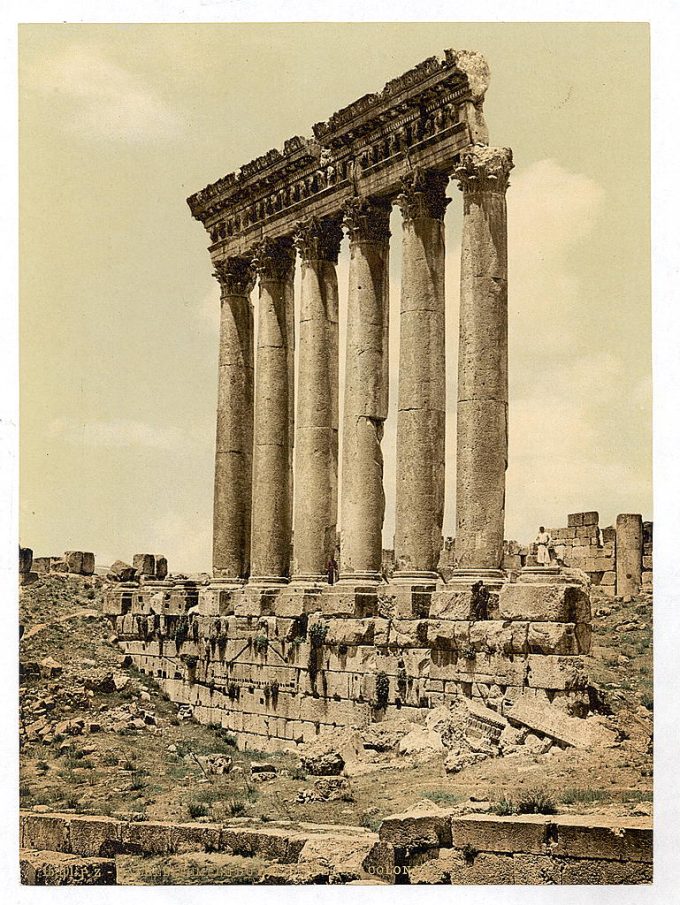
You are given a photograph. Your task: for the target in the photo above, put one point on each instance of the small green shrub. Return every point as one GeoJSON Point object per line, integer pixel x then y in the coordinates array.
{"type": "Point", "coordinates": [504, 807]}
{"type": "Point", "coordinates": [236, 807]}
{"type": "Point", "coordinates": [260, 644]}
{"type": "Point", "coordinates": [382, 690]}
{"type": "Point", "coordinates": [536, 801]}
{"type": "Point", "coordinates": [197, 809]}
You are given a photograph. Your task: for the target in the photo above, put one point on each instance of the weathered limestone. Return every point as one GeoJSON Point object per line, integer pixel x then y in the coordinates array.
{"type": "Point", "coordinates": [272, 483]}
{"type": "Point", "coordinates": [482, 441]}
{"type": "Point", "coordinates": [233, 454]}
{"type": "Point", "coordinates": [366, 390]}
{"type": "Point", "coordinates": [628, 555]}
{"type": "Point", "coordinates": [316, 439]}
{"type": "Point", "coordinates": [422, 379]}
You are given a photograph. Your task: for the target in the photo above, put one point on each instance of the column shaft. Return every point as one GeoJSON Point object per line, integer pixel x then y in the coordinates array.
{"type": "Point", "coordinates": [234, 443]}
{"type": "Point", "coordinates": [316, 443]}
{"type": "Point", "coordinates": [365, 400]}
{"type": "Point", "coordinates": [271, 523]}
{"type": "Point", "coordinates": [482, 441]}
{"type": "Point", "coordinates": [422, 379]}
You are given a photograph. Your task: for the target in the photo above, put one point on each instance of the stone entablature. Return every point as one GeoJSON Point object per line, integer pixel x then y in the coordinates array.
{"type": "Point", "coordinates": [421, 120]}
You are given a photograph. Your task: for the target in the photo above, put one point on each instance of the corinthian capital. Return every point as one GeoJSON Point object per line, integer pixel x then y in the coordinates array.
{"type": "Point", "coordinates": [235, 276]}
{"type": "Point", "coordinates": [423, 195]}
{"type": "Point", "coordinates": [483, 169]}
{"type": "Point", "coordinates": [274, 258]}
{"type": "Point", "coordinates": [318, 240]}
{"type": "Point", "coordinates": [367, 220]}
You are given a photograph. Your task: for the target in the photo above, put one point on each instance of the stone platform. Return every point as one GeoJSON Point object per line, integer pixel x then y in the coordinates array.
{"type": "Point", "coordinates": [276, 666]}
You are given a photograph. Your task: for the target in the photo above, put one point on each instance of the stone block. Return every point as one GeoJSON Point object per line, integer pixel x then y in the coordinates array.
{"type": "Point", "coordinates": [95, 836]}
{"type": "Point", "coordinates": [536, 870]}
{"type": "Point", "coordinates": [350, 631]}
{"type": "Point", "coordinates": [488, 833]}
{"type": "Point", "coordinates": [592, 871]}
{"type": "Point", "coordinates": [552, 638]}
{"type": "Point", "coordinates": [647, 562]}
{"type": "Point", "coordinates": [422, 827]}
{"type": "Point", "coordinates": [556, 672]}
{"type": "Point", "coordinates": [45, 831]}
{"type": "Point", "coordinates": [408, 633]}
{"type": "Point", "coordinates": [590, 518]}
{"type": "Point", "coordinates": [544, 602]}
{"type": "Point", "coordinates": [144, 564]}
{"type": "Point", "coordinates": [451, 605]}
{"type": "Point", "coordinates": [74, 559]}
{"type": "Point", "coordinates": [43, 564]}
{"type": "Point", "coordinates": [480, 869]}
{"type": "Point", "coordinates": [608, 578]}
{"type": "Point", "coordinates": [647, 579]}
{"type": "Point", "coordinates": [59, 566]}
{"type": "Point", "coordinates": [25, 560]}
{"type": "Point", "coordinates": [46, 868]}
{"type": "Point", "coordinates": [161, 568]}
{"type": "Point", "coordinates": [28, 578]}
{"type": "Point", "coordinates": [575, 520]}
{"type": "Point", "coordinates": [615, 839]}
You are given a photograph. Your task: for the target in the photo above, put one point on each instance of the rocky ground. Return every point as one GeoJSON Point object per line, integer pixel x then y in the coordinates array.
{"type": "Point", "coordinates": [97, 737]}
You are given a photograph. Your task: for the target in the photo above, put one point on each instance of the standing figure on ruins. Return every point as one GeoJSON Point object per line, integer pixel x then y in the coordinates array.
{"type": "Point", "coordinates": [543, 542]}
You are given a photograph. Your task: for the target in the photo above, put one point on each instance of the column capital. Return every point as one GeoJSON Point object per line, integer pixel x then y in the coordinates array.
{"type": "Point", "coordinates": [235, 276]}
{"type": "Point", "coordinates": [274, 258]}
{"type": "Point", "coordinates": [423, 195]}
{"type": "Point", "coordinates": [367, 220]}
{"type": "Point", "coordinates": [483, 169]}
{"type": "Point", "coordinates": [318, 240]}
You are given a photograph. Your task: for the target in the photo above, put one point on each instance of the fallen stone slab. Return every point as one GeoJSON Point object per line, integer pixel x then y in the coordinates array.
{"type": "Point", "coordinates": [568, 730]}
{"type": "Point", "coordinates": [46, 868]}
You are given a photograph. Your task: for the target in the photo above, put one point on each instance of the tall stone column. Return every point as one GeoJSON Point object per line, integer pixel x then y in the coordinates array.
{"type": "Point", "coordinates": [482, 442]}
{"type": "Point", "coordinates": [316, 443]}
{"type": "Point", "coordinates": [271, 524]}
{"type": "Point", "coordinates": [628, 555]}
{"type": "Point", "coordinates": [422, 379]}
{"type": "Point", "coordinates": [234, 446]}
{"type": "Point", "coordinates": [366, 390]}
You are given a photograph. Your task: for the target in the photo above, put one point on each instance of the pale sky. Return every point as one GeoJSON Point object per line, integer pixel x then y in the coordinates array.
{"type": "Point", "coordinates": [120, 313]}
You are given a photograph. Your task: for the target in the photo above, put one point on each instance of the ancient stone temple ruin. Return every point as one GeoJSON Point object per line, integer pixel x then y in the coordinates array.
{"type": "Point", "coordinates": [268, 648]}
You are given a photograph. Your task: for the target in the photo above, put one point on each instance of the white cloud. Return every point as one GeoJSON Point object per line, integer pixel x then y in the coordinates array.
{"type": "Point", "coordinates": [117, 433]}
{"type": "Point", "coordinates": [105, 100]}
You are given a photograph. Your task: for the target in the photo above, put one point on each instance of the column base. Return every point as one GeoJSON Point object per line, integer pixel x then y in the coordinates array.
{"type": "Point", "coordinates": [267, 581]}
{"type": "Point", "coordinates": [354, 578]}
{"type": "Point", "coordinates": [540, 570]}
{"type": "Point", "coordinates": [309, 580]}
{"type": "Point", "coordinates": [223, 583]}
{"type": "Point", "coordinates": [415, 577]}
{"type": "Point", "coordinates": [492, 578]}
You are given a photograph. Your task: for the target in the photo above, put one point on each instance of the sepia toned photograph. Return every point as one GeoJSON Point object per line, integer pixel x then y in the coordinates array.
{"type": "Point", "coordinates": [336, 524]}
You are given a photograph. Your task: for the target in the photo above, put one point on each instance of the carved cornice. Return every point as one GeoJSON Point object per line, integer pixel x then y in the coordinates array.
{"type": "Point", "coordinates": [483, 169]}
{"type": "Point", "coordinates": [364, 149]}
{"type": "Point", "coordinates": [235, 275]}
{"type": "Point", "coordinates": [367, 220]}
{"type": "Point", "coordinates": [273, 259]}
{"type": "Point", "coordinates": [423, 195]}
{"type": "Point", "coordinates": [318, 240]}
